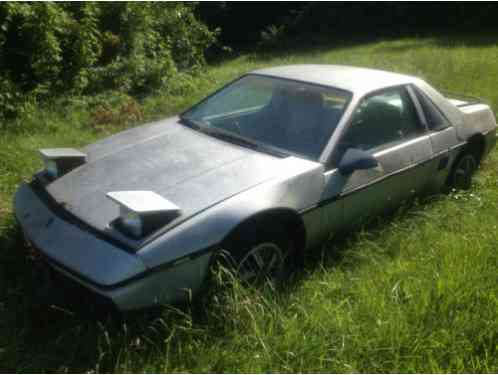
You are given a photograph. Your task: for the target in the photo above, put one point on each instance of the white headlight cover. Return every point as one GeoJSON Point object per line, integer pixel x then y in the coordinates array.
{"type": "Point", "coordinates": [142, 212]}
{"type": "Point", "coordinates": [59, 161]}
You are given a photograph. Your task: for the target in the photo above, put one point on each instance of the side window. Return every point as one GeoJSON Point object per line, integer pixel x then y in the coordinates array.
{"type": "Point", "coordinates": [435, 120]}
{"type": "Point", "coordinates": [382, 120]}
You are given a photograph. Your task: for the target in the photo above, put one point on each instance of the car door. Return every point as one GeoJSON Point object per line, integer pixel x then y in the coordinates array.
{"type": "Point", "coordinates": [386, 125]}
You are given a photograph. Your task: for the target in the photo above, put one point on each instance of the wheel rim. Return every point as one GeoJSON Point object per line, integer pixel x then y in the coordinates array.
{"type": "Point", "coordinates": [263, 262]}
{"type": "Point", "coordinates": [464, 171]}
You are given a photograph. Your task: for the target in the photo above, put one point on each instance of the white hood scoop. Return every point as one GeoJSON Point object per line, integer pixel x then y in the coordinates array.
{"type": "Point", "coordinates": [59, 161]}
{"type": "Point", "coordinates": [142, 212]}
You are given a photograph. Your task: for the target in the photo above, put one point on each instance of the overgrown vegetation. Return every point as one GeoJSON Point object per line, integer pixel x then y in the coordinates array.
{"type": "Point", "coordinates": [77, 49]}
{"type": "Point", "coordinates": [417, 293]}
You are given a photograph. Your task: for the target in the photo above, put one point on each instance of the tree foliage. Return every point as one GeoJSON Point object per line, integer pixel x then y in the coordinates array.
{"type": "Point", "coordinates": [49, 49]}
{"type": "Point", "coordinates": [247, 24]}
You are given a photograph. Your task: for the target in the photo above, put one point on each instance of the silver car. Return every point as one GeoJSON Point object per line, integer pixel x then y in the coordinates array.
{"type": "Point", "coordinates": [263, 170]}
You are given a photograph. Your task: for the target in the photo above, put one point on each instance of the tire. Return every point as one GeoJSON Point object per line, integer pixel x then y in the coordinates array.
{"type": "Point", "coordinates": [261, 255]}
{"type": "Point", "coordinates": [264, 262]}
{"type": "Point", "coordinates": [463, 170]}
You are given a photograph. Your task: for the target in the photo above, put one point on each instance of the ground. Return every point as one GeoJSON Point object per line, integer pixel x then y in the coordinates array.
{"type": "Point", "coordinates": [414, 293]}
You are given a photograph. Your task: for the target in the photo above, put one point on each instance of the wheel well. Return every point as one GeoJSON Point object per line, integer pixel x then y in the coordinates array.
{"type": "Point", "coordinates": [285, 219]}
{"type": "Point", "coordinates": [476, 144]}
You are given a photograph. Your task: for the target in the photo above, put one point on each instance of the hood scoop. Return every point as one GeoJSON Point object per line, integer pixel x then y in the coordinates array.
{"type": "Point", "coordinates": [142, 212]}
{"type": "Point", "coordinates": [59, 161]}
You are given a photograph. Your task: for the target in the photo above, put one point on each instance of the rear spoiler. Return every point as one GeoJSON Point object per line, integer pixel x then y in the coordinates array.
{"type": "Point", "coordinates": [461, 100]}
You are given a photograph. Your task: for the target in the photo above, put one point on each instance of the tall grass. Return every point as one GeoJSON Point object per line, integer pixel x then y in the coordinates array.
{"type": "Point", "coordinates": [415, 293]}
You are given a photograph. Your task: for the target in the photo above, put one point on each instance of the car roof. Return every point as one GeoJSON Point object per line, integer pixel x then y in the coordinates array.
{"type": "Point", "coordinates": [354, 79]}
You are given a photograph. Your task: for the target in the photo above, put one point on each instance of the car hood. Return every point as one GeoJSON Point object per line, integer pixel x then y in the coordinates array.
{"type": "Point", "coordinates": [193, 170]}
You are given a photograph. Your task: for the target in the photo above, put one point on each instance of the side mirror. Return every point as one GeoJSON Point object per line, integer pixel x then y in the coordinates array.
{"type": "Point", "coordinates": [355, 159]}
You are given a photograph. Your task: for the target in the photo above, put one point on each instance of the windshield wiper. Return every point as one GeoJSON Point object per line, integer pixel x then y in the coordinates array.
{"type": "Point", "coordinates": [229, 136]}
{"type": "Point", "coordinates": [242, 141]}
{"type": "Point", "coordinates": [219, 133]}
{"type": "Point", "coordinates": [232, 137]}
{"type": "Point", "coordinates": [192, 123]}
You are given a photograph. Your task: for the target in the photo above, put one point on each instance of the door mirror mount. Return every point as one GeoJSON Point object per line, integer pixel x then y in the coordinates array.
{"type": "Point", "coordinates": [355, 159]}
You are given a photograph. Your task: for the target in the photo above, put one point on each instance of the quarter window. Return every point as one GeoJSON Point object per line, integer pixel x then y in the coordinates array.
{"type": "Point", "coordinates": [381, 121]}
{"type": "Point", "coordinates": [435, 120]}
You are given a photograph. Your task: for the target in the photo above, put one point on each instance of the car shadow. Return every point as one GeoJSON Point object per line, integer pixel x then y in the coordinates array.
{"type": "Point", "coordinates": [38, 333]}
{"type": "Point", "coordinates": [54, 331]}
{"type": "Point", "coordinates": [333, 253]}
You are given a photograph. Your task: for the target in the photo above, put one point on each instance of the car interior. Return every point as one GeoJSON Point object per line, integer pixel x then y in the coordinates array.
{"type": "Point", "coordinates": [297, 119]}
{"type": "Point", "coordinates": [381, 121]}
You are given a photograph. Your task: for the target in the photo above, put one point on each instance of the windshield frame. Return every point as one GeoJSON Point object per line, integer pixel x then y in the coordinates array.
{"type": "Point", "coordinates": [265, 147]}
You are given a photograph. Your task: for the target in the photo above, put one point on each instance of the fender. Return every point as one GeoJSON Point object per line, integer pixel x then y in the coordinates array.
{"type": "Point", "coordinates": [208, 229]}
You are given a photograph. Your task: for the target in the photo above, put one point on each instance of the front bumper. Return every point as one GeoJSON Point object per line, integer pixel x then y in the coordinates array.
{"type": "Point", "coordinates": [158, 287]}
{"type": "Point", "coordinates": [100, 266]}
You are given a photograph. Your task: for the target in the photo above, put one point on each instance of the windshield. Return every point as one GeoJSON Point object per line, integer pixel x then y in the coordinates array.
{"type": "Point", "coordinates": [293, 117]}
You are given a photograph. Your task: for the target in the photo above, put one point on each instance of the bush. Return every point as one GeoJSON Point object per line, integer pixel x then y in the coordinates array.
{"type": "Point", "coordinates": [50, 49]}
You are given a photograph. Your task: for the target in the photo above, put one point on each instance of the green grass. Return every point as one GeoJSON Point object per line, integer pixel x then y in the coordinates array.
{"type": "Point", "coordinates": [417, 293]}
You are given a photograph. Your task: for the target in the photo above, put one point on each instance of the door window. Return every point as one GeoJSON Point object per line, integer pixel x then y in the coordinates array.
{"type": "Point", "coordinates": [381, 121]}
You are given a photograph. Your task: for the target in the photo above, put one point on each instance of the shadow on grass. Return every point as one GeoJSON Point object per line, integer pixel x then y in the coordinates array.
{"type": "Point", "coordinates": [36, 334]}
{"type": "Point", "coordinates": [63, 329]}
{"type": "Point", "coordinates": [335, 252]}
{"type": "Point", "coordinates": [57, 332]}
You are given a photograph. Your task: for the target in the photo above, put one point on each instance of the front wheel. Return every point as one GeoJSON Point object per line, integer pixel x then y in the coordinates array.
{"type": "Point", "coordinates": [260, 253]}
{"type": "Point", "coordinates": [264, 262]}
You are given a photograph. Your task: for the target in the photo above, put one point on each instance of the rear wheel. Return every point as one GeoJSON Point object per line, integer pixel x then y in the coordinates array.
{"type": "Point", "coordinates": [463, 171]}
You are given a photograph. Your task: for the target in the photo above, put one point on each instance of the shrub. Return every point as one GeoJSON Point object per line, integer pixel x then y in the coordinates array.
{"type": "Point", "coordinates": [50, 49]}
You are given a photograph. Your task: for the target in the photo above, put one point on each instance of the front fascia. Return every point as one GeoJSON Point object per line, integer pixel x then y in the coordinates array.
{"type": "Point", "coordinates": [91, 258]}
{"type": "Point", "coordinates": [175, 283]}
{"type": "Point", "coordinates": [100, 266]}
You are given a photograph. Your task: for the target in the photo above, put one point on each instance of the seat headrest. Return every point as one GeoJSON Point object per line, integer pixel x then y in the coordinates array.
{"type": "Point", "coordinates": [308, 98]}
{"type": "Point", "coordinates": [280, 96]}
{"type": "Point", "coordinates": [379, 111]}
